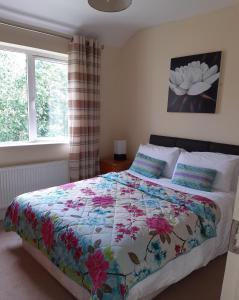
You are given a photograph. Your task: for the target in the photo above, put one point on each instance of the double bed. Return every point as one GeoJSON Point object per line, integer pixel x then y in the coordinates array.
{"type": "Point", "coordinates": [102, 239]}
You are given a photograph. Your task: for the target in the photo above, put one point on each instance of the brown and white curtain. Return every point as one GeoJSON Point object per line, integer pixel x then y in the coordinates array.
{"type": "Point", "coordinates": [84, 107]}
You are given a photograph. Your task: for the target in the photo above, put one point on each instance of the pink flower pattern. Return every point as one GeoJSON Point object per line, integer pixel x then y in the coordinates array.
{"type": "Point", "coordinates": [14, 213]}
{"type": "Point", "coordinates": [47, 232]}
{"type": "Point", "coordinates": [134, 210]}
{"type": "Point", "coordinates": [159, 224]}
{"type": "Point", "coordinates": [31, 217]}
{"type": "Point", "coordinates": [103, 201]}
{"type": "Point", "coordinates": [126, 230]}
{"type": "Point", "coordinates": [77, 205]}
{"type": "Point", "coordinates": [125, 191]}
{"type": "Point", "coordinates": [179, 210]}
{"type": "Point", "coordinates": [123, 290]}
{"type": "Point", "coordinates": [70, 239]}
{"type": "Point", "coordinates": [97, 267]}
{"type": "Point", "coordinates": [203, 200]}
{"type": "Point", "coordinates": [179, 249]}
{"type": "Point", "coordinates": [78, 253]}
{"type": "Point", "coordinates": [71, 243]}
{"type": "Point", "coordinates": [87, 191]}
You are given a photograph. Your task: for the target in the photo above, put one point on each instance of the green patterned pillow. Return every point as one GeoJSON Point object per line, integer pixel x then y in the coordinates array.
{"type": "Point", "coordinates": [148, 166]}
{"type": "Point", "coordinates": [194, 177]}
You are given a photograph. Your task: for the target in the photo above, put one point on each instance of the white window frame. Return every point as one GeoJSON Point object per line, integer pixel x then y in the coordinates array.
{"type": "Point", "coordinates": [32, 54]}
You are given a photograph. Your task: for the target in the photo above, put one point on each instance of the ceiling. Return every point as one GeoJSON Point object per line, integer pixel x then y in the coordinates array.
{"type": "Point", "coordinates": [72, 16]}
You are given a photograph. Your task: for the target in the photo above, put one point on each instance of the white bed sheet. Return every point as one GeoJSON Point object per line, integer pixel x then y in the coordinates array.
{"type": "Point", "coordinates": [199, 256]}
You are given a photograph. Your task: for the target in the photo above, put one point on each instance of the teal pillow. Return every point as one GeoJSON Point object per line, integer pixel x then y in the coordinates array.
{"type": "Point", "coordinates": [194, 177]}
{"type": "Point", "coordinates": [148, 166]}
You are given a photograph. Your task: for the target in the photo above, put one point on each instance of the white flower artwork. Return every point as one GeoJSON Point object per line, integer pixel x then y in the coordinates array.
{"type": "Point", "coordinates": [193, 83]}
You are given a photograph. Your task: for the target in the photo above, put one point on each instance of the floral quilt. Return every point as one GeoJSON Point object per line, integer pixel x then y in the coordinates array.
{"type": "Point", "coordinates": [110, 232]}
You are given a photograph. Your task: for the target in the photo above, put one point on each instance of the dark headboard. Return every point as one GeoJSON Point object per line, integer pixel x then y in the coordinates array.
{"type": "Point", "coordinates": [193, 145]}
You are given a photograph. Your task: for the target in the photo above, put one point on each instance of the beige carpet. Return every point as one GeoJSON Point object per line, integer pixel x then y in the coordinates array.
{"type": "Point", "coordinates": [21, 278]}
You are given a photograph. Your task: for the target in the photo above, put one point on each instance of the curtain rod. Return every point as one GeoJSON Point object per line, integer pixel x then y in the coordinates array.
{"type": "Point", "coordinates": [38, 30]}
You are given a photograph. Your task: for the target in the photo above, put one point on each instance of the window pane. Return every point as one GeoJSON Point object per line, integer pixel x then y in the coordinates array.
{"type": "Point", "coordinates": [51, 98]}
{"type": "Point", "coordinates": [13, 97]}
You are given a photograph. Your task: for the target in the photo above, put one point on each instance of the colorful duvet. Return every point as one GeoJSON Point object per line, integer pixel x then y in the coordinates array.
{"type": "Point", "coordinates": [110, 232]}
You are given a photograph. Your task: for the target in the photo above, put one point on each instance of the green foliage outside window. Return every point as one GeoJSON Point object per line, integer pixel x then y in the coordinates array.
{"type": "Point", "coordinates": [13, 97]}
{"type": "Point", "coordinates": [51, 95]}
{"type": "Point", "coordinates": [50, 102]}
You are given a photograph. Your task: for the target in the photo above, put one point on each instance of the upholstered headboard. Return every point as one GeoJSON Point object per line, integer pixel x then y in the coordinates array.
{"type": "Point", "coordinates": [193, 145]}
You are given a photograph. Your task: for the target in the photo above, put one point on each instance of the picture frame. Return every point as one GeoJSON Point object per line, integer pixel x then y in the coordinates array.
{"type": "Point", "coordinates": [193, 83]}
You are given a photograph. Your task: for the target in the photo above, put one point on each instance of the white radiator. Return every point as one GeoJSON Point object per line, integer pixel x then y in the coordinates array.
{"type": "Point", "coordinates": [17, 180]}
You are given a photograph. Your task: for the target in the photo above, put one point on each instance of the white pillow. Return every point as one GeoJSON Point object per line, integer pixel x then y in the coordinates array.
{"type": "Point", "coordinates": [225, 165]}
{"type": "Point", "coordinates": [168, 154]}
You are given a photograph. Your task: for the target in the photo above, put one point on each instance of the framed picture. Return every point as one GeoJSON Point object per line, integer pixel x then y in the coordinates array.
{"type": "Point", "coordinates": [193, 83]}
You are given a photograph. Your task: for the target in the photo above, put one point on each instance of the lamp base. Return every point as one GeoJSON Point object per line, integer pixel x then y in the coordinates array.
{"type": "Point", "coordinates": [120, 156]}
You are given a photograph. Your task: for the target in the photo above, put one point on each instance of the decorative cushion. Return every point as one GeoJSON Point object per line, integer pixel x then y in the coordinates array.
{"type": "Point", "coordinates": [224, 164]}
{"type": "Point", "coordinates": [168, 154]}
{"type": "Point", "coordinates": [194, 177]}
{"type": "Point", "coordinates": [148, 166]}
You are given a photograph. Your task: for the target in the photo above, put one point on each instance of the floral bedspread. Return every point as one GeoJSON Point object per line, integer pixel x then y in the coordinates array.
{"type": "Point", "coordinates": [110, 232]}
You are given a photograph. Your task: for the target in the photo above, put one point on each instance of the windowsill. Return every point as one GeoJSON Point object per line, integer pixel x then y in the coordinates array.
{"type": "Point", "coordinates": [37, 143]}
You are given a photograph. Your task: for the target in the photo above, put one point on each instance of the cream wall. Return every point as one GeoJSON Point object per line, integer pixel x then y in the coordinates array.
{"type": "Point", "coordinates": [146, 62]}
{"type": "Point", "coordinates": [110, 102]}
{"type": "Point", "coordinates": [17, 155]}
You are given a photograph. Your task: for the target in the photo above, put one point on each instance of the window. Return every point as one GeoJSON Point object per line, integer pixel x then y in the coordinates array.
{"type": "Point", "coordinates": [51, 98]}
{"type": "Point", "coordinates": [33, 95]}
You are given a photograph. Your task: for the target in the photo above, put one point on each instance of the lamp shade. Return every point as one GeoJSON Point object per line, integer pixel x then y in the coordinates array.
{"type": "Point", "coordinates": [120, 149]}
{"type": "Point", "coordinates": [110, 5]}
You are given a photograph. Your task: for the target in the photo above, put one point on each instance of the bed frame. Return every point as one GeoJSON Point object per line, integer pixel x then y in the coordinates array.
{"type": "Point", "coordinates": [193, 145]}
{"type": "Point", "coordinates": [190, 145]}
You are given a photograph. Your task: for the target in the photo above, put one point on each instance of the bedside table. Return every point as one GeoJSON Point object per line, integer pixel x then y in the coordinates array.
{"type": "Point", "coordinates": [111, 165]}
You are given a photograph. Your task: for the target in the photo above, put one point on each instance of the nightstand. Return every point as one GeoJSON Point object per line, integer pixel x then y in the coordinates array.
{"type": "Point", "coordinates": [110, 165]}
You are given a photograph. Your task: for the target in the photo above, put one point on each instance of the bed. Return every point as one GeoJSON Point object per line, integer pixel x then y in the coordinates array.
{"type": "Point", "coordinates": [111, 226]}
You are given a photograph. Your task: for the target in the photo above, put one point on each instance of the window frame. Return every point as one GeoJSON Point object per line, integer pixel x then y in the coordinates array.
{"type": "Point", "coordinates": [31, 55]}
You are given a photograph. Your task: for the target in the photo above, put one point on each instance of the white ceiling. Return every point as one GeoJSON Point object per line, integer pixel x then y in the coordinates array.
{"type": "Point", "coordinates": [72, 16]}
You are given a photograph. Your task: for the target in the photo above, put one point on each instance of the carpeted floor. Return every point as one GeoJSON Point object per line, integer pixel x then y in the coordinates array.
{"type": "Point", "coordinates": [21, 278]}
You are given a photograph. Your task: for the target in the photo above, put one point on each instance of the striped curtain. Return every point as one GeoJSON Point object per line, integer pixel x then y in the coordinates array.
{"type": "Point", "coordinates": [84, 107]}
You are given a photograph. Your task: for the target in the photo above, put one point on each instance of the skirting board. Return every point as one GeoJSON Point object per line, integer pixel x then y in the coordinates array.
{"type": "Point", "coordinates": [76, 290]}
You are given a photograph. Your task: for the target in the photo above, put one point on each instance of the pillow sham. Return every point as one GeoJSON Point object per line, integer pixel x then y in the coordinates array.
{"type": "Point", "coordinates": [194, 177]}
{"type": "Point", "coordinates": [147, 166]}
{"type": "Point", "coordinates": [168, 154]}
{"type": "Point", "coordinates": [224, 164]}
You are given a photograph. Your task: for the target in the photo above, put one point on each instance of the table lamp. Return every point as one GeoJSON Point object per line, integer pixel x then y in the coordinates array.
{"type": "Point", "coordinates": [120, 149]}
